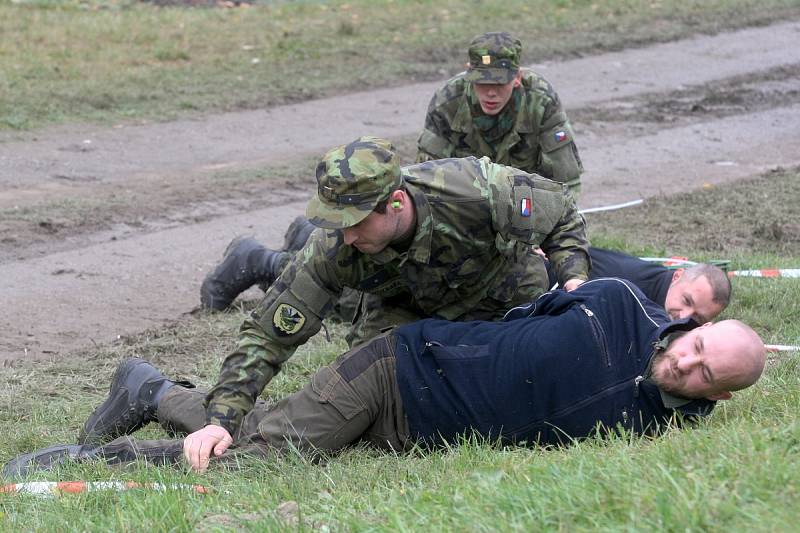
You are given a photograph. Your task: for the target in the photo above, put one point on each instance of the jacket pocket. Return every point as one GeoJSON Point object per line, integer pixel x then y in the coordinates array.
{"type": "Point", "coordinates": [598, 333]}
{"type": "Point", "coordinates": [449, 354]}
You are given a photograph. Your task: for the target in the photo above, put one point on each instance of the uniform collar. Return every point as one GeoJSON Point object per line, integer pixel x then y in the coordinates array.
{"type": "Point", "coordinates": [672, 402]}
{"type": "Point", "coordinates": [420, 249]}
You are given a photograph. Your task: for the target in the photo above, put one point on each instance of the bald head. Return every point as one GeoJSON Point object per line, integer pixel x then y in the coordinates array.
{"type": "Point", "coordinates": [750, 353]}
{"type": "Point", "coordinates": [711, 361]}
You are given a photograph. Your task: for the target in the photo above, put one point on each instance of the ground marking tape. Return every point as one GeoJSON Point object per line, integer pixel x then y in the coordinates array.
{"type": "Point", "coordinates": [52, 488]}
{"type": "Point", "coordinates": [610, 207]}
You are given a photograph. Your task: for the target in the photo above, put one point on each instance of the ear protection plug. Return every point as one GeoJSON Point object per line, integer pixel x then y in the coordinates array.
{"type": "Point", "coordinates": [396, 204]}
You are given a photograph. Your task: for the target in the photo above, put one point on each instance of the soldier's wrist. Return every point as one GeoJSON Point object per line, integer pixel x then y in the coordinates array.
{"type": "Point", "coordinates": [224, 423]}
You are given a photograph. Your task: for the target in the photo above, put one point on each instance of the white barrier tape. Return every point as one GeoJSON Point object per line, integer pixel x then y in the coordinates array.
{"type": "Point", "coordinates": [668, 260]}
{"type": "Point", "coordinates": [766, 273]}
{"type": "Point", "coordinates": [781, 348]}
{"type": "Point", "coordinates": [610, 207]}
{"type": "Point", "coordinates": [52, 488]}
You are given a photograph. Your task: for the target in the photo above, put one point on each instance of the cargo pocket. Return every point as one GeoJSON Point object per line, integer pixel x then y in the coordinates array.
{"type": "Point", "coordinates": [330, 388]}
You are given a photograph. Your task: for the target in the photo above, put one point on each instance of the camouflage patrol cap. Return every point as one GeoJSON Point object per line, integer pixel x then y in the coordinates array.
{"type": "Point", "coordinates": [351, 180]}
{"type": "Point", "coordinates": [493, 58]}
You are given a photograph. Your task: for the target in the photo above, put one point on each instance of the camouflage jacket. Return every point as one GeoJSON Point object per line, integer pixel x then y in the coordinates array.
{"type": "Point", "coordinates": [540, 142]}
{"type": "Point", "coordinates": [470, 258]}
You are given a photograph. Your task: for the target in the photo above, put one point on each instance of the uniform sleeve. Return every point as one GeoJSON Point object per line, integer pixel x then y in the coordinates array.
{"type": "Point", "coordinates": [559, 158]}
{"type": "Point", "coordinates": [434, 141]}
{"type": "Point", "coordinates": [290, 313]}
{"type": "Point", "coordinates": [540, 212]}
{"type": "Point", "coordinates": [566, 246]}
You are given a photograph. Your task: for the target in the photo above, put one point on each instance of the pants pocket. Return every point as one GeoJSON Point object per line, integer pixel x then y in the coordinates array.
{"type": "Point", "coordinates": [330, 388]}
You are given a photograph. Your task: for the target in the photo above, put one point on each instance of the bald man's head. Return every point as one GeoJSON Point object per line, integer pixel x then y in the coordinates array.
{"type": "Point", "coordinates": [711, 361]}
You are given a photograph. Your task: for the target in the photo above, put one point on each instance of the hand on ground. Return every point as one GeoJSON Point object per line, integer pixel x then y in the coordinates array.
{"type": "Point", "coordinates": [198, 446]}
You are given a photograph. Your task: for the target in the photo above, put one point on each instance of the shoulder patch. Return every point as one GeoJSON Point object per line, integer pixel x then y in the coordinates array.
{"type": "Point", "coordinates": [525, 207]}
{"type": "Point", "coordinates": [288, 319]}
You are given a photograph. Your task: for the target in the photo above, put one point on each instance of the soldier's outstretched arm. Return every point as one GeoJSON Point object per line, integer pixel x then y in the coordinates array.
{"type": "Point", "coordinates": [566, 245]}
{"type": "Point", "coordinates": [290, 313]}
{"type": "Point", "coordinates": [540, 212]}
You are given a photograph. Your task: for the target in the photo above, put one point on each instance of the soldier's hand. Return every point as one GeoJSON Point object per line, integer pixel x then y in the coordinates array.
{"type": "Point", "coordinates": [198, 446]}
{"type": "Point", "coordinates": [573, 284]}
{"type": "Point", "coordinates": [538, 251]}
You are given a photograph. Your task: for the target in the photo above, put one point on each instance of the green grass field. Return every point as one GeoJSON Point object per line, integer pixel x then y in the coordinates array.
{"type": "Point", "coordinates": [65, 61]}
{"type": "Point", "coordinates": [123, 60]}
{"type": "Point", "coordinates": [737, 471]}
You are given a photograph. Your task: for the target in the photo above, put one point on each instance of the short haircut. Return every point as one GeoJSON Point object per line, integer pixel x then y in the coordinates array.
{"type": "Point", "coordinates": [720, 284]}
{"type": "Point", "coordinates": [383, 204]}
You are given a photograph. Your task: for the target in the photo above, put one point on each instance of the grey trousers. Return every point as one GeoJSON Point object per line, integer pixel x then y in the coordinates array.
{"type": "Point", "coordinates": [355, 399]}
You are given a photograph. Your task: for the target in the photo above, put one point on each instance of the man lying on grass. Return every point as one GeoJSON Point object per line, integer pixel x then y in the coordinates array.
{"type": "Point", "coordinates": [701, 291]}
{"type": "Point", "coordinates": [567, 366]}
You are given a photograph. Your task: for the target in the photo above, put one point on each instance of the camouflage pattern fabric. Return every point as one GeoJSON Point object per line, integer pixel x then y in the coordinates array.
{"type": "Point", "coordinates": [351, 180]}
{"type": "Point", "coordinates": [470, 258]}
{"type": "Point", "coordinates": [493, 58]}
{"type": "Point", "coordinates": [540, 141]}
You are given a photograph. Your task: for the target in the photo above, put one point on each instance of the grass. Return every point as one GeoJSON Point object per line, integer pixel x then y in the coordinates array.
{"type": "Point", "coordinates": [121, 60]}
{"type": "Point", "coordinates": [736, 471]}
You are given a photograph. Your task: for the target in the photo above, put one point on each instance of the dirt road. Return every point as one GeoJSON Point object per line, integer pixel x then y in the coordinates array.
{"type": "Point", "coordinates": [653, 120]}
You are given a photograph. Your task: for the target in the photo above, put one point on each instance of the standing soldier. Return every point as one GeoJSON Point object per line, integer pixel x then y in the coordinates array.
{"type": "Point", "coordinates": [450, 239]}
{"type": "Point", "coordinates": [498, 110]}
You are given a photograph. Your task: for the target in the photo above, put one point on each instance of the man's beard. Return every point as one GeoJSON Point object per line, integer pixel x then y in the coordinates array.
{"type": "Point", "coordinates": [656, 376]}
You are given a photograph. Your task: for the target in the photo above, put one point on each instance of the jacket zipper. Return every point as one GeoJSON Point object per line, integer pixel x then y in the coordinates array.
{"type": "Point", "coordinates": [636, 383]}
{"type": "Point", "coordinates": [599, 334]}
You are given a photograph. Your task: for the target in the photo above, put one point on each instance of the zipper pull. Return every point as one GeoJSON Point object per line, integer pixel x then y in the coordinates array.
{"type": "Point", "coordinates": [587, 310]}
{"type": "Point", "coordinates": [636, 382]}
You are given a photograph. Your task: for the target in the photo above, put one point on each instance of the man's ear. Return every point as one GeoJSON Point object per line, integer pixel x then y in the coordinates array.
{"type": "Point", "coordinates": [724, 395]}
{"type": "Point", "coordinates": [676, 275]}
{"type": "Point", "coordinates": [518, 79]}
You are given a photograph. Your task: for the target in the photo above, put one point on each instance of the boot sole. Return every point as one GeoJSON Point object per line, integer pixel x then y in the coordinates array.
{"type": "Point", "coordinates": [44, 459]}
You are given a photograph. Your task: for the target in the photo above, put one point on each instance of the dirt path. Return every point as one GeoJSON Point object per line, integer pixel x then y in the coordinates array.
{"type": "Point", "coordinates": [654, 120]}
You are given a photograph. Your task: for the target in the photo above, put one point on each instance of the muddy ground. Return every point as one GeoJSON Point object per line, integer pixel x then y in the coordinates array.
{"type": "Point", "coordinates": [106, 232]}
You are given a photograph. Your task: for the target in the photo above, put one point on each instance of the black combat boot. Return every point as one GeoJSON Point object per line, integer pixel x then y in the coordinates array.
{"type": "Point", "coordinates": [136, 390]}
{"type": "Point", "coordinates": [48, 458]}
{"type": "Point", "coordinates": [297, 234]}
{"type": "Point", "coordinates": [245, 263]}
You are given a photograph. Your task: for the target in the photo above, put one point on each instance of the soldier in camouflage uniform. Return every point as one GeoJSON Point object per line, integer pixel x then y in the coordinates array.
{"type": "Point", "coordinates": [498, 110]}
{"type": "Point", "coordinates": [450, 239]}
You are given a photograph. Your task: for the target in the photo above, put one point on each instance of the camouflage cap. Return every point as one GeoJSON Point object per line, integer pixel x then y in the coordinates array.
{"type": "Point", "coordinates": [351, 180]}
{"type": "Point", "coordinates": [493, 58]}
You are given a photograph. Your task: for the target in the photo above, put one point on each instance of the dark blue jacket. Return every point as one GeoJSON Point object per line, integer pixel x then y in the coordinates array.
{"type": "Point", "coordinates": [652, 279]}
{"type": "Point", "coordinates": [551, 372]}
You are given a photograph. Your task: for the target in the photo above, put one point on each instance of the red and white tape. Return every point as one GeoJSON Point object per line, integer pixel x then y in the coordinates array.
{"type": "Point", "coordinates": [766, 273]}
{"type": "Point", "coordinates": [781, 348]}
{"type": "Point", "coordinates": [54, 488]}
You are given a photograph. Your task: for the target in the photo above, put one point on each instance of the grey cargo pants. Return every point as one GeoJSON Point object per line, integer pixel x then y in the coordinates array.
{"type": "Point", "coordinates": [354, 399]}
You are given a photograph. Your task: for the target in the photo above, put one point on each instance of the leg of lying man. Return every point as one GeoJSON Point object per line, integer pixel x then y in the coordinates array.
{"type": "Point", "coordinates": [356, 398]}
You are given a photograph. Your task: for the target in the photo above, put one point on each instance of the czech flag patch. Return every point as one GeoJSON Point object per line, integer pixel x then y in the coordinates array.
{"type": "Point", "coordinates": [560, 136]}
{"type": "Point", "coordinates": [525, 207]}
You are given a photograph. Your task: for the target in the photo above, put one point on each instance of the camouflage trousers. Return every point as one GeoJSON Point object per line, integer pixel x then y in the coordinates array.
{"type": "Point", "coordinates": [355, 399]}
